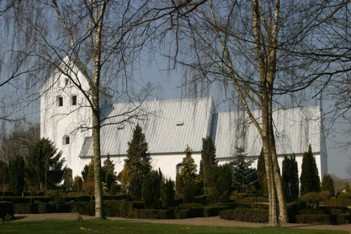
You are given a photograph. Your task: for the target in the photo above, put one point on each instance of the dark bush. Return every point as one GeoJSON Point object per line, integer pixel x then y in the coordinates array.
{"type": "Point", "coordinates": [26, 208]}
{"type": "Point", "coordinates": [183, 213]}
{"type": "Point", "coordinates": [118, 208]}
{"type": "Point", "coordinates": [213, 210]}
{"type": "Point", "coordinates": [316, 218]}
{"type": "Point", "coordinates": [246, 215]}
{"type": "Point", "coordinates": [83, 208]}
{"type": "Point", "coordinates": [54, 207]}
{"type": "Point", "coordinates": [151, 188]}
{"type": "Point", "coordinates": [167, 193]}
{"type": "Point", "coordinates": [324, 215]}
{"type": "Point", "coordinates": [6, 208]}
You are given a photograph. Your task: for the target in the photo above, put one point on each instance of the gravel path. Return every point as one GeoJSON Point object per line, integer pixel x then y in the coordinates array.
{"type": "Point", "coordinates": [208, 221]}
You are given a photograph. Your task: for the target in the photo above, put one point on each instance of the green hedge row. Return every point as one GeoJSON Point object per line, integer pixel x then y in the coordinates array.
{"type": "Point", "coordinates": [6, 208]}
{"type": "Point", "coordinates": [257, 215]}
{"type": "Point", "coordinates": [122, 208]}
{"type": "Point", "coordinates": [324, 215]}
{"type": "Point", "coordinates": [40, 208]}
{"type": "Point", "coordinates": [323, 218]}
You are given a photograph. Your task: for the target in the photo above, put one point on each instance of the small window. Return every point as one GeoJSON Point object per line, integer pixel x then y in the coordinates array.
{"type": "Point", "coordinates": [66, 140]}
{"type": "Point", "coordinates": [60, 101]}
{"type": "Point", "coordinates": [180, 124]}
{"type": "Point", "coordinates": [66, 81]}
{"type": "Point", "coordinates": [74, 100]}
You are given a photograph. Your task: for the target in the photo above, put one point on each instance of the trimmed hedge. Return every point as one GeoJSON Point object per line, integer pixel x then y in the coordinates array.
{"type": "Point", "coordinates": [83, 208]}
{"type": "Point", "coordinates": [321, 218]}
{"type": "Point", "coordinates": [118, 208]}
{"type": "Point", "coordinates": [256, 215]}
{"type": "Point", "coordinates": [324, 215]}
{"type": "Point", "coordinates": [41, 208]}
{"type": "Point", "coordinates": [183, 213]}
{"type": "Point", "coordinates": [6, 208]}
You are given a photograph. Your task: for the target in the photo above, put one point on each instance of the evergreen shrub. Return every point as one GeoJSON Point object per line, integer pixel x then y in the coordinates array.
{"type": "Point", "coordinates": [214, 209]}
{"type": "Point", "coordinates": [83, 208]}
{"type": "Point", "coordinates": [6, 208]}
{"type": "Point", "coordinates": [257, 215]}
{"type": "Point", "coordinates": [118, 208]}
{"type": "Point", "coordinates": [316, 218]}
{"type": "Point", "coordinates": [26, 208]}
{"type": "Point", "coordinates": [324, 215]}
{"type": "Point", "coordinates": [183, 213]}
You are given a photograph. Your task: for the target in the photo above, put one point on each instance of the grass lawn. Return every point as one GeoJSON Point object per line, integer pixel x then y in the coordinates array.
{"type": "Point", "coordinates": [106, 226]}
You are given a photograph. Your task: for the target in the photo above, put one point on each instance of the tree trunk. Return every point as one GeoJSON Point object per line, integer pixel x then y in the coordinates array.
{"type": "Point", "coordinates": [97, 161]}
{"type": "Point", "coordinates": [267, 152]}
{"type": "Point", "coordinates": [283, 216]}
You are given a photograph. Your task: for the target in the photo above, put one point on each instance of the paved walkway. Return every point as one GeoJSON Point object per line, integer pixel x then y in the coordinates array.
{"type": "Point", "coordinates": [208, 221]}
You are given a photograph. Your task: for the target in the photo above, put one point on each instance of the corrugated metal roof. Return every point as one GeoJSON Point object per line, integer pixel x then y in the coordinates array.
{"type": "Point", "coordinates": [294, 128]}
{"type": "Point", "coordinates": [169, 126]}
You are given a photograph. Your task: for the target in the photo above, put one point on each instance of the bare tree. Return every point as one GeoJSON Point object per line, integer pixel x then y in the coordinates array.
{"type": "Point", "coordinates": [100, 37]}
{"type": "Point", "coordinates": [254, 48]}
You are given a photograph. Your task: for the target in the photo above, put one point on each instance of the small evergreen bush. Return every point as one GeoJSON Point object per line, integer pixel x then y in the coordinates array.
{"type": "Point", "coordinates": [6, 209]}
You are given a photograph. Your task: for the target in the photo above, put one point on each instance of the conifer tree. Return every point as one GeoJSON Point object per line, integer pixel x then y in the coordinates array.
{"type": "Point", "coordinates": [108, 173]}
{"type": "Point", "coordinates": [167, 193]}
{"type": "Point", "coordinates": [137, 164]}
{"type": "Point", "coordinates": [208, 151]}
{"type": "Point", "coordinates": [3, 175]}
{"type": "Point", "coordinates": [68, 179]}
{"type": "Point", "coordinates": [290, 178]}
{"type": "Point", "coordinates": [85, 173]}
{"type": "Point", "coordinates": [188, 177]}
{"type": "Point", "coordinates": [243, 177]}
{"type": "Point", "coordinates": [261, 176]}
{"type": "Point", "coordinates": [347, 187]}
{"type": "Point", "coordinates": [309, 178]}
{"type": "Point", "coordinates": [90, 174]}
{"type": "Point", "coordinates": [208, 161]}
{"type": "Point", "coordinates": [151, 190]}
{"type": "Point", "coordinates": [16, 174]}
{"type": "Point", "coordinates": [77, 184]}
{"type": "Point", "coordinates": [223, 183]}
{"type": "Point", "coordinates": [44, 165]}
{"type": "Point", "coordinates": [328, 185]}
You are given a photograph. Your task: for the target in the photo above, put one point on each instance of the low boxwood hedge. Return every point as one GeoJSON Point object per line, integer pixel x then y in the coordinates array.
{"type": "Point", "coordinates": [6, 209]}
{"type": "Point", "coordinates": [324, 215]}
{"type": "Point", "coordinates": [257, 215]}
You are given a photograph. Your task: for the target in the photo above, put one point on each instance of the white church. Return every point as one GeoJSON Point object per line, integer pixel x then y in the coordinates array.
{"type": "Point", "coordinates": [169, 127]}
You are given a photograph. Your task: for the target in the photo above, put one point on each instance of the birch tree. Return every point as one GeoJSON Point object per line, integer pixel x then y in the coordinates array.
{"type": "Point", "coordinates": [249, 47]}
{"type": "Point", "coordinates": [100, 37]}
{"type": "Point", "coordinates": [237, 42]}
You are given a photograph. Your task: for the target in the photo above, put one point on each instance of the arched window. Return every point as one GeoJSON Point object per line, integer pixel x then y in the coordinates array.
{"type": "Point", "coordinates": [65, 140]}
